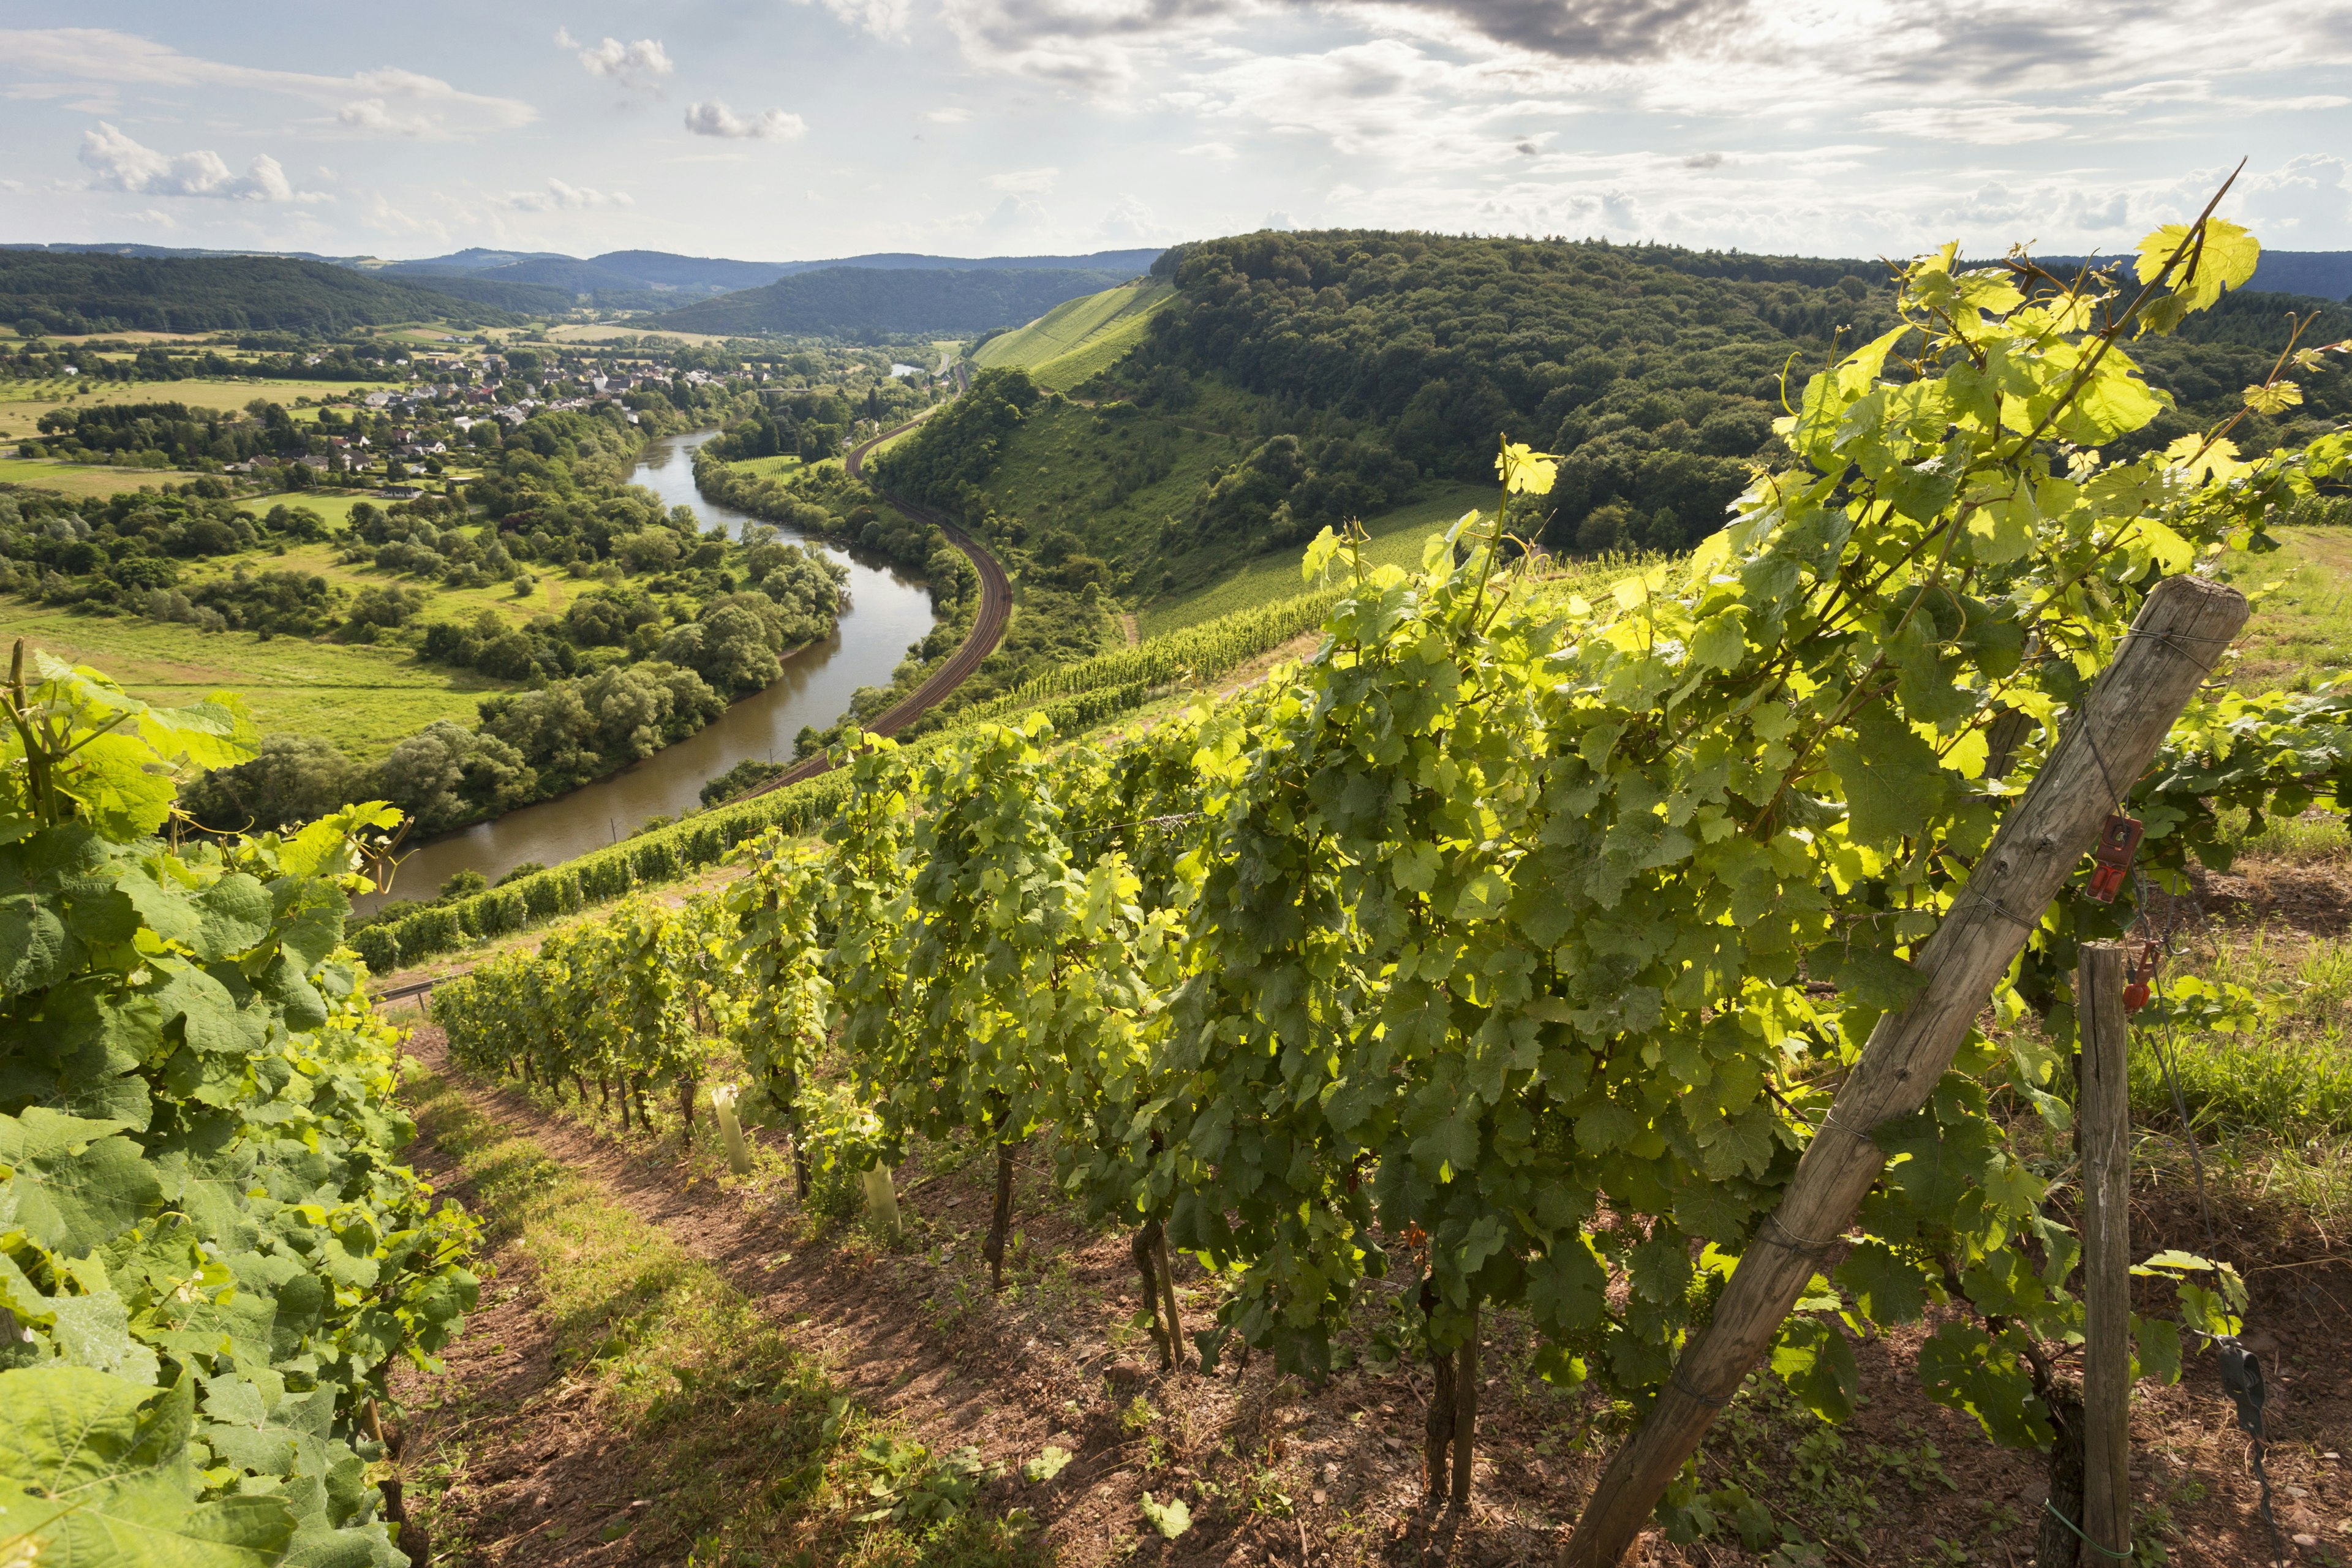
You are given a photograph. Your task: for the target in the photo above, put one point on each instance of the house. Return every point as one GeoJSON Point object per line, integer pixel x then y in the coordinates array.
{"type": "Point", "coordinates": [400, 492]}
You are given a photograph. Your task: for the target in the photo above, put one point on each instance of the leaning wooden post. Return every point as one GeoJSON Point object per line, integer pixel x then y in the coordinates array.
{"type": "Point", "coordinates": [2103, 1111]}
{"type": "Point", "coordinates": [2181, 630]}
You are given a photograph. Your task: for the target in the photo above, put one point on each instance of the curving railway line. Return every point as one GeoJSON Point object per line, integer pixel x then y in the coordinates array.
{"type": "Point", "coordinates": [987, 627]}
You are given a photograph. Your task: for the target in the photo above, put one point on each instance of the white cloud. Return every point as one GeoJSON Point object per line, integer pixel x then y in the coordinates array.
{"type": "Point", "coordinates": [1024, 181]}
{"type": "Point", "coordinates": [883, 18]}
{"type": "Point", "coordinates": [117, 163]}
{"type": "Point", "coordinates": [1128, 222]}
{"type": "Point", "coordinates": [715, 119]}
{"type": "Point", "coordinates": [561, 197]}
{"type": "Point", "coordinates": [637, 67]}
{"type": "Point", "coordinates": [405, 103]}
{"type": "Point", "coordinates": [1014, 214]}
{"type": "Point", "coordinates": [948, 116]}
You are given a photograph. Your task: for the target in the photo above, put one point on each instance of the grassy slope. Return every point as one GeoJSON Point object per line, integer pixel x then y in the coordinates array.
{"type": "Point", "coordinates": [22, 403]}
{"type": "Point", "coordinates": [2303, 632]}
{"type": "Point", "coordinates": [364, 698]}
{"type": "Point", "coordinates": [1078, 338]}
{"type": "Point", "coordinates": [1397, 538]}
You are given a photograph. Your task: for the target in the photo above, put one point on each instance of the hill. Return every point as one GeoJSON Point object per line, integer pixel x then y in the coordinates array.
{"type": "Point", "coordinates": [1288, 382]}
{"type": "Point", "coordinates": [848, 301]}
{"type": "Point", "coordinates": [86, 291]}
{"type": "Point", "coordinates": [1078, 338]}
{"type": "Point", "coordinates": [2325, 273]}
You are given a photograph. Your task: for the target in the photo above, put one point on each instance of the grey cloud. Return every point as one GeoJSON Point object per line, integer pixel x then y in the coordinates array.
{"type": "Point", "coordinates": [1593, 29]}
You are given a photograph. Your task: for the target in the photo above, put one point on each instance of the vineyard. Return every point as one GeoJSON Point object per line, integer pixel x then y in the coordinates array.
{"type": "Point", "coordinates": [1519, 953]}
{"type": "Point", "coordinates": [1641, 995]}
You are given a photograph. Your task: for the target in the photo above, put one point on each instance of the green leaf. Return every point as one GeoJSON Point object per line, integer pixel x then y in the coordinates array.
{"type": "Point", "coordinates": [1046, 1464]}
{"type": "Point", "coordinates": [76, 1187]}
{"type": "Point", "coordinates": [1171, 1519]}
{"type": "Point", "coordinates": [1887, 1286]}
{"type": "Point", "coordinates": [95, 1469]}
{"type": "Point", "coordinates": [2224, 259]}
{"type": "Point", "coordinates": [1892, 782]}
{"type": "Point", "coordinates": [1815, 1360]}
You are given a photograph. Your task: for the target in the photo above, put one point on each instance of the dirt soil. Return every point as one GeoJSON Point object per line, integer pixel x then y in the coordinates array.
{"type": "Point", "coordinates": [1053, 1362]}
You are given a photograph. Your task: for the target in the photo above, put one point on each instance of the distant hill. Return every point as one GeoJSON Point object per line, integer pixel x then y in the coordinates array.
{"type": "Point", "coordinates": [850, 300]}
{"type": "Point", "coordinates": [640, 279]}
{"type": "Point", "coordinates": [2325, 273]}
{"type": "Point", "coordinates": [91, 290]}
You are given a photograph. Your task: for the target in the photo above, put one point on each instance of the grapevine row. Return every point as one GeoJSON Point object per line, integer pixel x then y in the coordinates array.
{"type": "Point", "coordinates": [1515, 942]}
{"type": "Point", "coordinates": [210, 1258]}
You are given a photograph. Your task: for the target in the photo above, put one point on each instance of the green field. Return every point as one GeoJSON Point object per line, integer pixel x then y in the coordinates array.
{"type": "Point", "coordinates": [84, 479]}
{"type": "Point", "coordinates": [363, 698]}
{"type": "Point", "coordinates": [777, 466]}
{"type": "Point", "coordinates": [1397, 539]}
{"type": "Point", "coordinates": [2303, 632]}
{"type": "Point", "coordinates": [22, 403]}
{"type": "Point", "coordinates": [1080, 338]}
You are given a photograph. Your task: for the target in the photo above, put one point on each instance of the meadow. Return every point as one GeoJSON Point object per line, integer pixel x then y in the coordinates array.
{"type": "Point", "coordinates": [1396, 538]}
{"type": "Point", "coordinates": [364, 698]}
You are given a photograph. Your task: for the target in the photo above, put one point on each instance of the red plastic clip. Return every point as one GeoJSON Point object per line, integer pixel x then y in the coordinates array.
{"type": "Point", "coordinates": [2142, 973]}
{"type": "Point", "coordinates": [2118, 841]}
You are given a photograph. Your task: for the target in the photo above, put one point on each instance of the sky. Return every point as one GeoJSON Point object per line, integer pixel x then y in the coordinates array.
{"type": "Point", "coordinates": [802, 128]}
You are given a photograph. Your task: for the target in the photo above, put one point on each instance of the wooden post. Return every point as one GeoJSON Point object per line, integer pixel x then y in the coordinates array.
{"type": "Point", "coordinates": [2103, 1111]}
{"type": "Point", "coordinates": [1465, 1415]}
{"type": "Point", "coordinates": [2183, 628]}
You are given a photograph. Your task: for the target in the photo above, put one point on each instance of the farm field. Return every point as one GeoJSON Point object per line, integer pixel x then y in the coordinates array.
{"type": "Point", "coordinates": [84, 479]}
{"type": "Point", "coordinates": [22, 403]}
{"type": "Point", "coordinates": [362, 698]}
{"type": "Point", "coordinates": [768, 468]}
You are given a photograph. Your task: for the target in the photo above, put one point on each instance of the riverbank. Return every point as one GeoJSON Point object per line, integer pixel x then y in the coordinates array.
{"type": "Point", "coordinates": [888, 609]}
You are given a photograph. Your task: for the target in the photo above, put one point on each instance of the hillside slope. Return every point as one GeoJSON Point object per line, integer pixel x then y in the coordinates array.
{"type": "Point", "coordinates": [1289, 381]}
{"type": "Point", "coordinates": [1080, 338]}
{"type": "Point", "coordinates": [204, 294]}
{"type": "Point", "coordinates": [851, 299]}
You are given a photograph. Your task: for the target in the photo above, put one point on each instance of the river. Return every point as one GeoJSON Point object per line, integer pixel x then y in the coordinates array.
{"type": "Point", "coordinates": [887, 610]}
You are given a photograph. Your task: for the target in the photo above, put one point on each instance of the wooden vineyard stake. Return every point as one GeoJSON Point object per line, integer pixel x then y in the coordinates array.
{"type": "Point", "coordinates": [2104, 1114]}
{"type": "Point", "coordinates": [2114, 732]}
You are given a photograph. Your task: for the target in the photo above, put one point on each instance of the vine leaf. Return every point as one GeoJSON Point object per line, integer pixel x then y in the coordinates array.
{"type": "Point", "coordinates": [98, 1470]}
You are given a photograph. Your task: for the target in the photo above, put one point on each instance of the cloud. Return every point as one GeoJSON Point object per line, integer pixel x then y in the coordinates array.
{"type": "Point", "coordinates": [637, 67]}
{"type": "Point", "coordinates": [117, 163]}
{"type": "Point", "coordinates": [883, 18]}
{"type": "Point", "coordinates": [1130, 221]}
{"type": "Point", "coordinates": [1613, 31]}
{"type": "Point", "coordinates": [1024, 181]}
{"type": "Point", "coordinates": [948, 116]}
{"type": "Point", "coordinates": [1704, 161]}
{"type": "Point", "coordinates": [715, 119]}
{"type": "Point", "coordinates": [388, 101]}
{"type": "Point", "coordinates": [1013, 213]}
{"type": "Point", "coordinates": [560, 197]}
{"type": "Point", "coordinates": [1278, 220]}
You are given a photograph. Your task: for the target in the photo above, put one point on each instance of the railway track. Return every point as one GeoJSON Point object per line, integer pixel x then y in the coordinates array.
{"type": "Point", "coordinates": [987, 627]}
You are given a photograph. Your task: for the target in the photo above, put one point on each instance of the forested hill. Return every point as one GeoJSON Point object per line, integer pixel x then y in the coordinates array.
{"type": "Point", "coordinates": [848, 301]}
{"type": "Point", "coordinates": [1658, 372]}
{"type": "Point", "coordinates": [1296, 381]}
{"type": "Point", "coordinates": [64, 291]}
